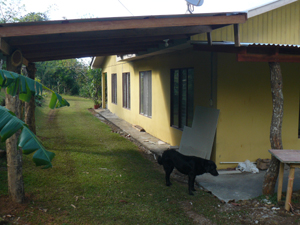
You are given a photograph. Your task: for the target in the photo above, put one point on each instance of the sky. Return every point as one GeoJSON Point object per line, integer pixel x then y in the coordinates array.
{"type": "Point", "coordinates": [67, 9]}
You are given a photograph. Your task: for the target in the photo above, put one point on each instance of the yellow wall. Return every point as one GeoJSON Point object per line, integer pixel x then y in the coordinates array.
{"type": "Point", "coordinates": [245, 103]}
{"type": "Point", "coordinates": [243, 97]}
{"type": "Point", "coordinates": [159, 124]}
{"type": "Point", "coordinates": [280, 26]}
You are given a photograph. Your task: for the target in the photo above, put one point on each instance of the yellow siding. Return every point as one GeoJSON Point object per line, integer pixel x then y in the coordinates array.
{"type": "Point", "coordinates": [280, 26]}
{"type": "Point", "coordinates": [243, 97]}
{"type": "Point", "coordinates": [159, 124]}
{"type": "Point", "coordinates": [245, 103]}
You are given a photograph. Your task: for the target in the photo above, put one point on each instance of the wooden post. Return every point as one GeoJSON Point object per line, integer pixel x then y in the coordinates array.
{"type": "Point", "coordinates": [280, 181]}
{"type": "Point", "coordinates": [209, 39]}
{"type": "Point", "coordinates": [14, 154]}
{"type": "Point", "coordinates": [289, 188]}
{"type": "Point", "coordinates": [275, 130]}
{"type": "Point", "coordinates": [236, 35]}
{"type": "Point", "coordinates": [30, 106]}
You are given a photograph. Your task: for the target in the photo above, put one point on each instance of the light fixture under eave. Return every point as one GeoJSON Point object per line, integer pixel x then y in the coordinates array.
{"type": "Point", "coordinates": [166, 42]}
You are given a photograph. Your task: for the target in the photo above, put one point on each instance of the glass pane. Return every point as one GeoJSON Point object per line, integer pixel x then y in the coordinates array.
{"type": "Point", "coordinates": [141, 92]}
{"type": "Point", "coordinates": [183, 121]}
{"type": "Point", "coordinates": [190, 97]}
{"type": "Point", "coordinates": [128, 90]}
{"type": "Point", "coordinates": [175, 99]}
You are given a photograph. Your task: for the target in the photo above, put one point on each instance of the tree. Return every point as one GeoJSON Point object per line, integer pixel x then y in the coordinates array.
{"type": "Point", "coordinates": [22, 87]}
{"type": "Point", "coordinates": [275, 130]}
{"type": "Point", "coordinates": [10, 11]}
{"type": "Point", "coordinates": [63, 76]}
{"type": "Point", "coordinates": [34, 17]}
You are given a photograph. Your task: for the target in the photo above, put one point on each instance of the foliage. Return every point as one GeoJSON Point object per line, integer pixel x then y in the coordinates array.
{"type": "Point", "coordinates": [95, 87]}
{"type": "Point", "coordinates": [10, 124]}
{"type": "Point", "coordinates": [63, 76]}
{"type": "Point", "coordinates": [34, 17]}
{"type": "Point", "coordinates": [10, 10]}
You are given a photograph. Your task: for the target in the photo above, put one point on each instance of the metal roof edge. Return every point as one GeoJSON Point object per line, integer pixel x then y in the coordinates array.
{"type": "Point", "coordinates": [268, 7]}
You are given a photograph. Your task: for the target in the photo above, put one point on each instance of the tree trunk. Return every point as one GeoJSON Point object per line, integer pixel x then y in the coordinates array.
{"type": "Point", "coordinates": [30, 106]}
{"type": "Point", "coordinates": [14, 154]}
{"type": "Point", "coordinates": [275, 130]}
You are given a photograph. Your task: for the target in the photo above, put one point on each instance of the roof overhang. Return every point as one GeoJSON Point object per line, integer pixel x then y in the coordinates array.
{"type": "Point", "coordinates": [55, 40]}
{"type": "Point", "coordinates": [268, 7]}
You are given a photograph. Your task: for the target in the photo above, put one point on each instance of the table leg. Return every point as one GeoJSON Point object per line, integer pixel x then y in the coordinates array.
{"type": "Point", "coordinates": [290, 188]}
{"type": "Point", "coordinates": [280, 181]}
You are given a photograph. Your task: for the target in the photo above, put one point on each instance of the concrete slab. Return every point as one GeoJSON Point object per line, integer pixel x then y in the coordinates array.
{"type": "Point", "coordinates": [151, 143]}
{"type": "Point", "coordinates": [226, 187]}
{"type": "Point", "coordinates": [241, 186]}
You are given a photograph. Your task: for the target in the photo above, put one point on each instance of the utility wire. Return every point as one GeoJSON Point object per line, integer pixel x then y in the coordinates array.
{"type": "Point", "coordinates": [125, 7]}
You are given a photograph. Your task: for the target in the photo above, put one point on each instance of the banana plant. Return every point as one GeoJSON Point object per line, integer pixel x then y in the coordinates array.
{"type": "Point", "coordinates": [10, 124]}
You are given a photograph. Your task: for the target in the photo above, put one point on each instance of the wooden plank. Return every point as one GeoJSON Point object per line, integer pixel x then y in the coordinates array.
{"type": "Point", "coordinates": [209, 39]}
{"type": "Point", "coordinates": [170, 32]}
{"type": "Point", "coordinates": [146, 22]}
{"type": "Point", "coordinates": [4, 47]}
{"type": "Point", "coordinates": [267, 58]}
{"type": "Point", "coordinates": [286, 156]}
{"type": "Point", "coordinates": [25, 61]}
{"type": "Point", "coordinates": [237, 35]}
{"type": "Point", "coordinates": [289, 188]}
{"type": "Point", "coordinates": [280, 181]}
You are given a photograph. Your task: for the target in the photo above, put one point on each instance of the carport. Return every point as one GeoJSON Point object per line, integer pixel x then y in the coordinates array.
{"type": "Point", "coordinates": [27, 43]}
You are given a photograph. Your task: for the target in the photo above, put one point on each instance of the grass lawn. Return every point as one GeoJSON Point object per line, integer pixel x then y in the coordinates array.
{"type": "Point", "coordinates": [98, 177]}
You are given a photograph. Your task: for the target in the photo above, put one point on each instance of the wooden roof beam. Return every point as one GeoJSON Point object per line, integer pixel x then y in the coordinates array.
{"type": "Point", "coordinates": [170, 32]}
{"type": "Point", "coordinates": [7, 50]}
{"type": "Point", "coordinates": [122, 24]}
{"type": "Point", "coordinates": [4, 47]}
{"type": "Point", "coordinates": [267, 58]}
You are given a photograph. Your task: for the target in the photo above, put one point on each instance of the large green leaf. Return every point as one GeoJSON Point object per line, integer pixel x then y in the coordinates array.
{"type": "Point", "coordinates": [9, 124]}
{"type": "Point", "coordinates": [26, 87]}
{"type": "Point", "coordinates": [29, 143]}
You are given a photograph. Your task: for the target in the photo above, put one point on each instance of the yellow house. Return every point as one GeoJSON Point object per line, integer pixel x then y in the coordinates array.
{"type": "Point", "coordinates": [159, 91]}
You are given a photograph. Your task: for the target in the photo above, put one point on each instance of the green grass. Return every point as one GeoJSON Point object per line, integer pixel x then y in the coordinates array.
{"type": "Point", "coordinates": [100, 173]}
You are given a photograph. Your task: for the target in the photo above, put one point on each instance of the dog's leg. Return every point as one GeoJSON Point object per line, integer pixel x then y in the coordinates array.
{"type": "Point", "coordinates": [191, 183]}
{"type": "Point", "coordinates": [168, 169]}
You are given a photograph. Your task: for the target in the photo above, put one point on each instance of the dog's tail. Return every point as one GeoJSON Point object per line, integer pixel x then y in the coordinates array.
{"type": "Point", "coordinates": [159, 160]}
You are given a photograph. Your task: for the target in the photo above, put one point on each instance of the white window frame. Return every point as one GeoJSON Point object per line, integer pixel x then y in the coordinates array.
{"type": "Point", "coordinates": [146, 93]}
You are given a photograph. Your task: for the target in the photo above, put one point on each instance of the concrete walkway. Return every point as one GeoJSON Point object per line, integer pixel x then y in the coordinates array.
{"type": "Point", "coordinates": [226, 187]}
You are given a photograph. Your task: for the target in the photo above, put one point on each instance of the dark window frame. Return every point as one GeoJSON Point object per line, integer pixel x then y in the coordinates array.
{"type": "Point", "coordinates": [114, 88]}
{"type": "Point", "coordinates": [126, 90]}
{"type": "Point", "coordinates": [189, 101]}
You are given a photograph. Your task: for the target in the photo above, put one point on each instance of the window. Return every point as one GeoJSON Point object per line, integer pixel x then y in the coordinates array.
{"type": "Point", "coordinates": [146, 93]}
{"type": "Point", "coordinates": [182, 97]}
{"type": "Point", "coordinates": [126, 90]}
{"type": "Point", "coordinates": [114, 88]}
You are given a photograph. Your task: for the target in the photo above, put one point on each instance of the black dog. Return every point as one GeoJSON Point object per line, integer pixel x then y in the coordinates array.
{"type": "Point", "coordinates": [189, 165]}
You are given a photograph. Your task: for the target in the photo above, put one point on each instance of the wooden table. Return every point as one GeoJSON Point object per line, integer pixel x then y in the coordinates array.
{"type": "Point", "coordinates": [292, 158]}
